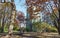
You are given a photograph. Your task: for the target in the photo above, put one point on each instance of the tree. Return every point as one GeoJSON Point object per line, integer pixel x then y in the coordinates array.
{"type": "Point", "coordinates": [20, 16]}
{"type": "Point", "coordinates": [3, 12]}
{"type": "Point", "coordinates": [41, 6]}
{"type": "Point", "coordinates": [32, 10]}
{"type": "Point", "coordinates": [10, 12]}
{"type": "Point", "coordinates": [12, 17]}
{"type": "Point", "coordinates": [1, 18]}
{"type": "Point", "coordinates": [43, 27]}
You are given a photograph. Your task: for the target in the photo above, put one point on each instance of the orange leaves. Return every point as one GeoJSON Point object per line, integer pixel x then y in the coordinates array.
{"type": "Point", "coordinates": [55, 10]}
{"type": "Point", "coordinates": [32, 2]}
{"type": "Point", "coordinates": [37, 9]}
{"type": "Point", "coordinates": [33, 11]}
{"type": "Point", "coordinates": [31, 17]}
{"type": "Point", "coordinates": [55, 1]}
{"type": "Point", "coordinates": [36, 1]}
{"type": "Point", "coordinates": [30, 10]}
{"type": "Point", "coordinates": [45, 0]}
{"type": "Point", "coordinates": [37, 6]}
{"type": "Point", "coordinates": [34, 16]}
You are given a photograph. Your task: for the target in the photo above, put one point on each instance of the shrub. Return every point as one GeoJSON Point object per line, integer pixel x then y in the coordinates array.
{"type": "Point", "coordinates": [44, 26]}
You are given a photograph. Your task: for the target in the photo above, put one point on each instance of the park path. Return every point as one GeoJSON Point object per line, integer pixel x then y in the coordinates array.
{"type": "Point", "coordinates": [34, 35]}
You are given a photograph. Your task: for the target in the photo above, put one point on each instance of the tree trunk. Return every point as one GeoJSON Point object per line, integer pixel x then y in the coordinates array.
{"type": "Point", "coordinates": [2, 30]}
{"type": "Point", "coordinates": [30, 26]}
{"type": "Point", "coordinates": [29, 23]}
{"type": "Point", "coordinates": [58, 28]}
{"type": "Point", "coordinates": [3, 17]}
{"type": "Point", "coordinates": [59, 23]}
{"type": "Point", "coordinates": [59, 18]}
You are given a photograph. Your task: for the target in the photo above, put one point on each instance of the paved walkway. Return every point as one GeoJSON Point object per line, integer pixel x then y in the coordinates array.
{"type": "Point", "coordinates": [34, 35]}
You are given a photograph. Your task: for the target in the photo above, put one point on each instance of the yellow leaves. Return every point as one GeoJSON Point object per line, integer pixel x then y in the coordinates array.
{"type": "Point", "coordinates": [1, 6]}
{"type": "Point", "coordinates": [42, 25]}
{"type": "Point", "coordinates": [6, 4]}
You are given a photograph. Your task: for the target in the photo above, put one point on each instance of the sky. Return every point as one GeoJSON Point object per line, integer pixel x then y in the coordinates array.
{"type": "Point", "coordinates": [20, 6]}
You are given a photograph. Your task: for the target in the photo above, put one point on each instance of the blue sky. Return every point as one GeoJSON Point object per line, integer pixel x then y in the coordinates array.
{"type": "Point", "coordinates": [20, 6]}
